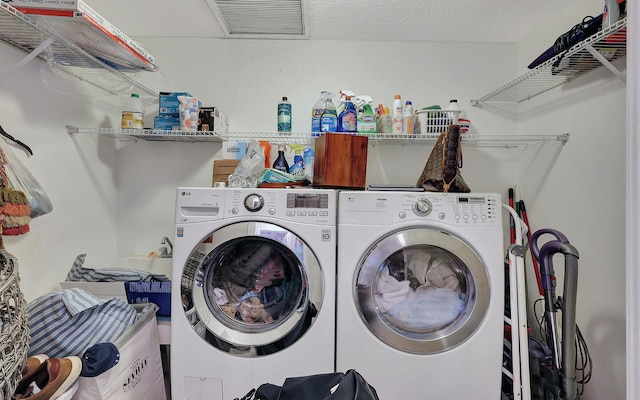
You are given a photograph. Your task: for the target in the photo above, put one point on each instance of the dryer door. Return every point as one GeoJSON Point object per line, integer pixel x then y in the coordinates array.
{"type": "Point", "coordinates": [422, 290]}
{"type": "Point", "coordinates": [251, 288]}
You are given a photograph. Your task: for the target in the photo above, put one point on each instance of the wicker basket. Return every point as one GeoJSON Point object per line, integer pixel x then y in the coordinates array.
{"type": "Point", "coordinates": [14, 331]}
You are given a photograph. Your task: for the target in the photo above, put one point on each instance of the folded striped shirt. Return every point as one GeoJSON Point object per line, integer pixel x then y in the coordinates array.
{"type": "Point", "coordinates": [68, 322]}
{"type": "Point", "coordinates": [80, 273]}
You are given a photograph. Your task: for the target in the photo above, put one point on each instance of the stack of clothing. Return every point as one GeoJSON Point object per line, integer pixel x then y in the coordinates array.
{"type": "Point", "coordinates": [15, 212]}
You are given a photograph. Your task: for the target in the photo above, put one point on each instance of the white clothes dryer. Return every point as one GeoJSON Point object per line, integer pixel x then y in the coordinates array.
{"type": "Point", "coordinates": [253, 295]}
{"type": "Point", "coordinates": [420, 309]}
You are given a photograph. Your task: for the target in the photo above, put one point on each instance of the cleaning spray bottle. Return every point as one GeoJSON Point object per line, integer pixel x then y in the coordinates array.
{"type": "Point", "coordinates": [343, 98]}
{"type": "Point", "coordinates": [347, 119]}
{"type": "Point", "coordinates": [298, 162]}
{"type": "Point", "coordinates": [366, 116]}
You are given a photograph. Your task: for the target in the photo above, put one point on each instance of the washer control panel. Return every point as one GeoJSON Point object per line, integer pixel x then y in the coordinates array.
{"type": "Point", "coordinates": [312, 206]}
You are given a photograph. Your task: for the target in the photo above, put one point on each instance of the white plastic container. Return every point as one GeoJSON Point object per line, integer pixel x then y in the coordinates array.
{"type": "Point", "coordinates": [435, 121]}
{"type": "Point", "coordinates": [455, 109]}
{"type": "Point", "coordinates": [133, 113]}
{"type": "Point", "coordinates": [407, 118]}
{"type": "Point", "coordinates": [611, 13]}
{"type": "Point", "coordinates": [396, 125]}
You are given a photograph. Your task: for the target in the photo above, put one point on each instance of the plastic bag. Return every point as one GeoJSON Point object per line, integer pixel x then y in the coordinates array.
{"type": "Point", "coordinates": [15, 175]}
{"type": "Point", "coordinates": [250, 169]}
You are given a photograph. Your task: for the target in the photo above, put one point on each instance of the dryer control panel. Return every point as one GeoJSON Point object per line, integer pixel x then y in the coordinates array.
{"type": "Point", "coordinates": [384, 207]}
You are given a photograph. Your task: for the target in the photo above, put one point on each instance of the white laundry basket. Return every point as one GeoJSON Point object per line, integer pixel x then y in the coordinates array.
{"type": "Point", "coordinates": [138, 375]}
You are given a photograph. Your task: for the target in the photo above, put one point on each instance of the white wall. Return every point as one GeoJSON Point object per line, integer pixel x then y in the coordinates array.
{"type": "Point", "coordinates": [584, 197]}
{"type": "Point", "coordinates": [116, 199]}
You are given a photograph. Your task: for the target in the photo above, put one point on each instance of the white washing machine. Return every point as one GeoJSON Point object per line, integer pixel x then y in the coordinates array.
{"type": "Point", "coordinates": [421, 293]}
{"type": "Point", "coordinates": [253, 295]}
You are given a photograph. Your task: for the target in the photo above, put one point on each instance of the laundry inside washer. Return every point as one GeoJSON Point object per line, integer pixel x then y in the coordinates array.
{"type": "Point", "coordinates": [251, 284]}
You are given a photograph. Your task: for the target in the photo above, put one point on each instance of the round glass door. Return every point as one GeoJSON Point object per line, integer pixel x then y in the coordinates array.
{"type": "Point", "coordinates": [422, 291]}
{"type": "Point", "coordinates": [251, 288]}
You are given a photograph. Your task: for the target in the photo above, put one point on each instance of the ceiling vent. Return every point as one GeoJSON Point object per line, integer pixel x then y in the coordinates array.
{"type": "Point", "coordinates": [267, 19]}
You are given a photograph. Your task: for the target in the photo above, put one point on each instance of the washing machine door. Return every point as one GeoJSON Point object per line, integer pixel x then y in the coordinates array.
{"type": "Point", "coordinates": [422, 290]}
{"type": "Point", "coordinates": [251, 288]}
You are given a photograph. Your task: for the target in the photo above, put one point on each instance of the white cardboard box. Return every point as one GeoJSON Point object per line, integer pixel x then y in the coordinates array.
{"type": "Point", "coordinates": [78, 22]}
{"type": "Point", "coordinates": [138, 375]}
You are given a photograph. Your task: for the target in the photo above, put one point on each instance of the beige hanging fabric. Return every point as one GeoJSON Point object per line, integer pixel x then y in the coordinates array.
{"type": "Point", "coordinates": [441, 173]}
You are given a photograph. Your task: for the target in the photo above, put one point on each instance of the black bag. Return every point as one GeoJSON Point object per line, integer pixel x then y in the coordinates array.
{"type": "Point", "coordinates": [331, 386]}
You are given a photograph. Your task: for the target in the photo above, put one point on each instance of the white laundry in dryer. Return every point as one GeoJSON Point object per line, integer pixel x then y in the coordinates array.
{"type": "Point", "coordinates": [253, 296]}
{"type": "Point", "coordinates": [420, 308]}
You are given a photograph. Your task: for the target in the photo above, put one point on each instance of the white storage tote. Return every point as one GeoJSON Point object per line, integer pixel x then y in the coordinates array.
{"type": "Point", "coordinates": [138, 375]}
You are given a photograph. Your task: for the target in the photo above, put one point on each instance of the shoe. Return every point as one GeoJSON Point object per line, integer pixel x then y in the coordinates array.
{"type": "Point", "coordinates": [31, 365]}
{"type": "Point", "coordinates": [51, 379]}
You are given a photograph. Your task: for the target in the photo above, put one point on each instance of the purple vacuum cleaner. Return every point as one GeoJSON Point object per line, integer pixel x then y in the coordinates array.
{"type": "Point", "coordinates": [557, 379]}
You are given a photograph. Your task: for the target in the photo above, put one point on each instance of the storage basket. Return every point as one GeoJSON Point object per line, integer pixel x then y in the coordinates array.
{"type": "Point", "coordinates": [14, 328]}
{"type": "Point", "coordinates": [435, 121]}
{"type": "Point", "coordinates": [138, 375]}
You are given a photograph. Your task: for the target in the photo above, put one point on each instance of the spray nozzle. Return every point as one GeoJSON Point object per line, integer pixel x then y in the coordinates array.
{"type": "Point", "coordinates": [297, 148]}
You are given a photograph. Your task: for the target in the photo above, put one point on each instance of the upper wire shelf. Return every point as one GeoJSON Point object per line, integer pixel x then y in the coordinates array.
{"type": "Point", "coordinates": [39, 39]}
{"type": "Point", "coordinates": [602, 48]}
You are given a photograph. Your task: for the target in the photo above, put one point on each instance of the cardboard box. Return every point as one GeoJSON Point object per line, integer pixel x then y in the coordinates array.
{"type": "Point", "coordinates": [340, 161]}
{"type": "Point", "coordinates": [168, 103]}
{"type": "Point", "coordinates": [234, 150]}
{"type": "Point", "coordinates": [138, 374]}
{"type": "Point", "coordinates": [212, 119]}
{"type": "Point", "coordinates": [166, 123]}
{"type": "Point", "coordinates": [78, 23]}
{"type": "Point", "coordinates": [158, 293]}
{"type": "Point", "coordinates": [225, 167]}
{"type": "Point", "coordinates": [221, 171]}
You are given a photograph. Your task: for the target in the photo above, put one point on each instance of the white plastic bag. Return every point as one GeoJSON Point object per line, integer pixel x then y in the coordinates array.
{"type": "Point", "coordinates": [250, 169]}
{"type": "Point", "coordinates": [16, 176]}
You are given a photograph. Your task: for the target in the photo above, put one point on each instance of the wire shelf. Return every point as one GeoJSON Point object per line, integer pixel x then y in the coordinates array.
{"type": "Point", "coordinates": [59, 51]}
{"type": "Point", "coordinates": [474, 140]}
{"type": "Point", "coordinates": [600, 49]}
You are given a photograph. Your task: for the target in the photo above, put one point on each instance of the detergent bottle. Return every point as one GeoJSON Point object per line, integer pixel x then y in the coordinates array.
{"type": "Point", "coordinates": [298, 162]}
{"type": "Point", "coordinates": [329, 119]}
{"type": "Point", "coordinates": [317, 111]}
{"type": "Point", "coordinates": [281, 163]}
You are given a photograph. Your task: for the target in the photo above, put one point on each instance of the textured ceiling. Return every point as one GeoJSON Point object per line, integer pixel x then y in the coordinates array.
{"type": "Point", "coordinates": [412, 20]}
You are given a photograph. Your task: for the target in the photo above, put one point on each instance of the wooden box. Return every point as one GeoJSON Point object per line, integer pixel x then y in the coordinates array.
{"type": "Point", "coordinates": [340, 161]}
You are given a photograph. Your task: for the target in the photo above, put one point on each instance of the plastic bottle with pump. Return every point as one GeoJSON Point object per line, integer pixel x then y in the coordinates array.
{"type": "Point", "coordinates": [308, 157]}
{"type": "Point", "coordinates": [396, 127]}
{"type": "Point", "coordinates": [348, 120]}
{"type": "Point", "coordinates": [298, 162]}
{"type": "Point", "coordinates": [407, 118]}
{"type": "Point", "coordinates": [329, 119]}
{"type": "Point", "coordinates": [281, 163]}
{"type": "Point", "coordinates": [284, 116]}
{"type": "Point", "coordinates": [133, 113]}
{"type": "Point", "coordinates": [317, 111]}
